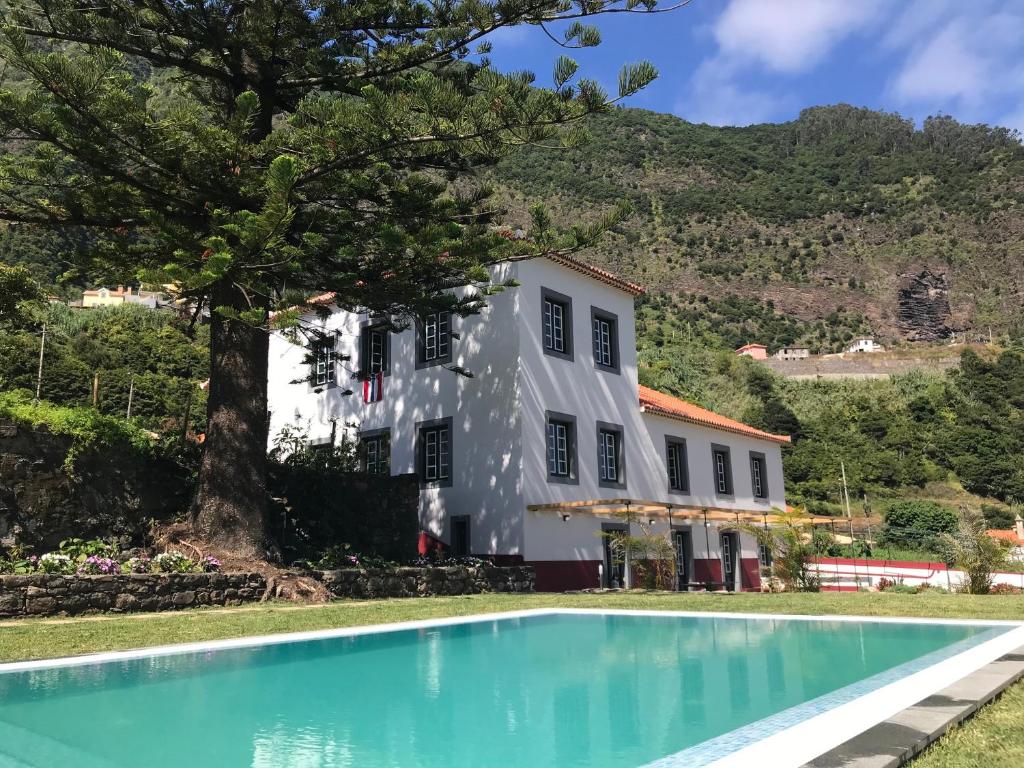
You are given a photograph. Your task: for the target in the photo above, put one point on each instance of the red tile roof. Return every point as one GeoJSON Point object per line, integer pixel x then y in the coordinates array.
{"type": "Point", "coordinates": [751, 346]}
{"type": "Point", "coordinates": [597, 273]}
{"type": "Point", "coordinates": [1010, 536]}
{"type": "Point", "coordinates": [652, 401]}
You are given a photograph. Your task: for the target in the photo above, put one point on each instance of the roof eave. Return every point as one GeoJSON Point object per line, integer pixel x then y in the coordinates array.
{"type": "Point", "coordinates": [749, 432]}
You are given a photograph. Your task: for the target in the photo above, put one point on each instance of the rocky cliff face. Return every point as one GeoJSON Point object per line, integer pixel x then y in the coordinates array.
{"type": "Point", "coordinates": [923, 306]}
{"type": "Point", "coordinates": [113, 494]}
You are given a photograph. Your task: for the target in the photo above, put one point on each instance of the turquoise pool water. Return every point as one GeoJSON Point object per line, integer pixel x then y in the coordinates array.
{"type": "Point", "coordinates": [549, 690]}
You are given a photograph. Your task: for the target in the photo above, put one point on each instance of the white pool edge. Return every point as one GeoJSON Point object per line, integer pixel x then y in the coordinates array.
{"type": "Point", "coordinates": [399, 626]}
{"type": "Point", "coordinates": [802, 743]}
{"type": "Point", "coordinates": [792, 746]}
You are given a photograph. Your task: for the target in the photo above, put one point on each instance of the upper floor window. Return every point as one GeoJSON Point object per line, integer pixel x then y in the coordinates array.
{"type": "Point", "coordinates": [722, 470]}
{"type": "Point", "coordinates": [434, 339]}
{"type": "Point", "coordinates": [561, 447]}
{"type": "Point", "coordinates": [435, 452]}
{"type": "Point", "coordinates": [322, 363]}
{"type": "Point", "coordinates": [374, 350]}
{"type": "Point", "coordinates": [375, 452]}
{"type": "Point", "coordinates": [611, 471]}
{"type": "Point", "coordinates": [556, 325]}
{"type": "Point", "coordinates": [759, 475]}
{"type": "Point", "coordinates": [675, 463]}
{"type": "Point", "coordinates": [605, 332]}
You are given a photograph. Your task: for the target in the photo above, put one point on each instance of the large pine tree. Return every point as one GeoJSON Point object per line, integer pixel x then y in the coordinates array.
{"type": "Point", "coordinates": [253, 151]}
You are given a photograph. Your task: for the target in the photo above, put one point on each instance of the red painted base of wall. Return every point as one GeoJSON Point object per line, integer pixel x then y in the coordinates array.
{"type": "Point", "coordinates": [503, 561]}
{"type": "Point", "coordinates": [750, 574]}
{"type": "Point", "coordinates": [707, 570]}
{"type": "Point", "coordinates": [562, 575]}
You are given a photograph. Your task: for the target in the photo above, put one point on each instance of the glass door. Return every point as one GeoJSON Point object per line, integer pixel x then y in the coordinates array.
{"type": "Point", "coordinates": [681, 544]}
{"type": "Point", "coordinates": [730, 551]}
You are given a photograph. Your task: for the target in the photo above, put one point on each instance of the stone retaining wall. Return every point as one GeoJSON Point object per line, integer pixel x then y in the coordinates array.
{"type": "Point", "coordinates": [41, 594]}
{"type": "Point", "coordinates": [420, 582]}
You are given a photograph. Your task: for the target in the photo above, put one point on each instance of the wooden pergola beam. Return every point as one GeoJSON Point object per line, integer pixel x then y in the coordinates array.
{"type": "Point", "coordinates": [668, 510]}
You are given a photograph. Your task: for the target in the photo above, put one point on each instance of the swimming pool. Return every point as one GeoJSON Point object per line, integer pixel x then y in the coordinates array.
{"type": "Point", "coordinates": [532, 688]}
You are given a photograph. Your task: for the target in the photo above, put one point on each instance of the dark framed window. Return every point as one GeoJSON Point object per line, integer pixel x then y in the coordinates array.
{"type": "Point", "coordinates": [759, 475]}
{"type": "Point", "coordinates": [556, 324]}
{"type": "Point", "coordinates": [375, 452]}
{"type": "Point", "coordinates": [675, 465]}
{"type": "Point", "coordinates": [323, 363]}
{"type": "Point", "coordinates": [721, 465]}
{"type": "Point", "coordinates": [434, 339]}
{"type": "Point", "coordinates": [605, 339]}
{"type": "Point", "coordinates": [434, 452]}
{"type": "Point", "coordinates": [611, 470]}
{"type": "Point", "coordinates": [374, 350]}
{"type": "Point", "coordinates": [560, 442]}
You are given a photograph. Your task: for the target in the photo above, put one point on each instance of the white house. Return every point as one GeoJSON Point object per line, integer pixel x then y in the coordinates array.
{"type": "Point", "coordinates": [864, 344]}
{"type": "Point", "coordinates": [792, 353]}
{"type": "Point", "coordinates": [552, 440]}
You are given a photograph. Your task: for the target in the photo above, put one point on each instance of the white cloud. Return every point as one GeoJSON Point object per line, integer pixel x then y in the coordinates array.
{"type": "Point", "coordinates": [715, 97]}
{"type": "Point", "coordinates": [959, 60]}
{"type": "Point", "coordinates": [790, 36]}
{"type": "Point", "coordinates": [784, 36]}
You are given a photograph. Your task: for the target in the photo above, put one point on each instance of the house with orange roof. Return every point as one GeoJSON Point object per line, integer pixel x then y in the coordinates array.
{"type": "Point", "coordinates": [528, 430]}
{"type": "Point", "coordinates": [755, 351]}
{"type": "Point", "coordinates": [1013, 537]}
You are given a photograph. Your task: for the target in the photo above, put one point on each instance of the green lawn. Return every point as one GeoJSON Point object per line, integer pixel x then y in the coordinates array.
{"type": "Point", "coordinates": [994, 740]}
{"type": "Point", "coordinates": [47, 638]}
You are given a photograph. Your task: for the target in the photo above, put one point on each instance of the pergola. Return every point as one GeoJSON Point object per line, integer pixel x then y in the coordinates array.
{"type": "Point", "coordinates": [667, 510]}
{"type": "Point", "coordinates": [654, 510]}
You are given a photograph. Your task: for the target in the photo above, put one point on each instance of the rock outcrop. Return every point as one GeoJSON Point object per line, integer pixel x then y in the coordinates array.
{"type": "Point", "coordinates": [923, 306]}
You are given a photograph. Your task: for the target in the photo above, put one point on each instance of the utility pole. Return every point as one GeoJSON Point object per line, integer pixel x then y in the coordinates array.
{"type": "Point", "coordinates": [846, 493]}
{"type": "Point", "coordinates": [39, 375]}
{"type": "Point", "coordinates": [96, 390]}
{"type": "Point", "coordinates": [131, 393]}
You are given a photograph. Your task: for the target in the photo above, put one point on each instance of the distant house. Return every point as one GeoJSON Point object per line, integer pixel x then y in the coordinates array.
{"type": "Point", "coordinates": [864, 344]}
{"type": "Point", "coordinates": [105, 297]}
{"type": "Point", "coordinates": [756, 351]}
{"type": "Point", "coordinates": [1015, 537]}
{"type": "Point", "coordinates": [792, 353]}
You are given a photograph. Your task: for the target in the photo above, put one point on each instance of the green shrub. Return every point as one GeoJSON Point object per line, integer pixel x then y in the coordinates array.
{"type": "Point", "coordinates": [917, 523]}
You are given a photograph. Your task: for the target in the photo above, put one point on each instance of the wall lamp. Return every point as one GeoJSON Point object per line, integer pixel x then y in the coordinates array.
{"type": "Point", "coordinates": [565, 518]}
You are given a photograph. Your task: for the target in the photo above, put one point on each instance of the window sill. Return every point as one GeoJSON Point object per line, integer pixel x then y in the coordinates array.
{"type": "Point", "coordinates": [563, 480]}
{"type": "Point", "coordinates": [567, 356]}
{"type": "Point", "coordinates": [422, 364]}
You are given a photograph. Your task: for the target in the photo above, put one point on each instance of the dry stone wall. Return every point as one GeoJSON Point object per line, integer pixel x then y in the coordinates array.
{"type": "Point", "coordinates": [40, 594]}
{"type": "Point", "coordinates": [421, 582]}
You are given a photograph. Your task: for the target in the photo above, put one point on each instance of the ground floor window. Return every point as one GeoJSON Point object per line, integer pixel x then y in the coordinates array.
{"type": "Point", "coordinates": [375, 452]}
{"type": "Point", "coordinates": [434, 451]}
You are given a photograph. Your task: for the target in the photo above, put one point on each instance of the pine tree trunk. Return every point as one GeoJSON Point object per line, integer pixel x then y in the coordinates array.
{"type": "Point", "coordinates": [231, 502]}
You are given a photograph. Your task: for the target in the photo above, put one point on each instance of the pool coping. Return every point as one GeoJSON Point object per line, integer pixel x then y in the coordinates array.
{"type": "Point", "coordinates": [801, 744]}
{"type": "Point", "coordinates": [898, 740]}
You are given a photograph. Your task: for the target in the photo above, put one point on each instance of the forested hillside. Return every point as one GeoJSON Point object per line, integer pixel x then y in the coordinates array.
{"type": "Point", "coordinates": [910, 233]}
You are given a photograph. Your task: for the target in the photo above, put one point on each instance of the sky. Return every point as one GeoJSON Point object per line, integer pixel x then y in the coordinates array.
{"type": "Point", "coordinates": [738, 62]}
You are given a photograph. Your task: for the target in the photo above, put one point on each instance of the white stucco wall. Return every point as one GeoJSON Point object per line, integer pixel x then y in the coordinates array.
{"type": "Point", "coordinates": [578, 389]}
{"type": "Point", "coordinates": [485, 449]}
{"type": "Point", "coordinates": [499, 416]}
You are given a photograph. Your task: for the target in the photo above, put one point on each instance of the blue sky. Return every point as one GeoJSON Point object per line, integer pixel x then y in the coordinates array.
{"type": "Point", "coordinates": [737, 62]}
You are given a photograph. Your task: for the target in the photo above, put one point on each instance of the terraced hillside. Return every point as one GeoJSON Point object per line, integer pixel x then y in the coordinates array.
{"type": "Point", "coordinates": [916, 233]}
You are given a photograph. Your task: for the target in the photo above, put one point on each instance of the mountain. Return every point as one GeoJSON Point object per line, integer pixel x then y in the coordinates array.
{"type": "Point", "coordinates": [843, 218]}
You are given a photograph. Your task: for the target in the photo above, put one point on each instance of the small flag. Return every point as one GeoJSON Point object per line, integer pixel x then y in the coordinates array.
{"type": "Point", "coordinates": [373, 388]}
